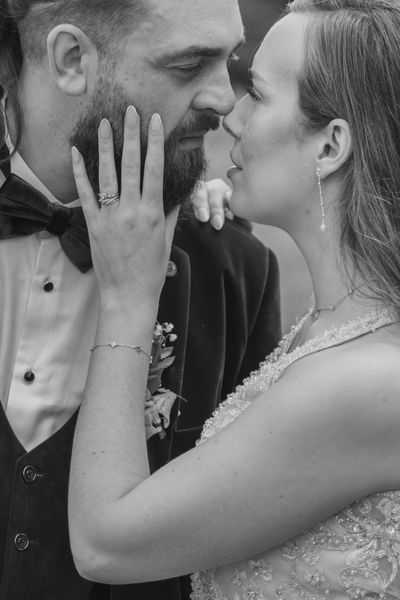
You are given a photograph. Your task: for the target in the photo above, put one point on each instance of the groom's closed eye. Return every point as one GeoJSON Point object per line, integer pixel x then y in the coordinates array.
{"type": "Point", "coordinates": [192, 59]}
{"type": "Point", "coordinates": [195, 67]}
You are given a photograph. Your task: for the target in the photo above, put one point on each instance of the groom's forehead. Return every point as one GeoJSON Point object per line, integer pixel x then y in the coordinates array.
{"type": "Point", "coordinates": [194, 27]}
{"type": "Point", "coordinates": [196, 9]}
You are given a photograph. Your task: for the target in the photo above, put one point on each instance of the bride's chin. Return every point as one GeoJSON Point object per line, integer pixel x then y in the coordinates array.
{"type": "Point", "coordinates": [238, 208]}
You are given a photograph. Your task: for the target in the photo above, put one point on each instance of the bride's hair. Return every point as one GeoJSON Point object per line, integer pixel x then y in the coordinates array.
{"type": "Point", "coordinates": [25, 25]}
{"type": "Point", "coordinates": [352, 71]}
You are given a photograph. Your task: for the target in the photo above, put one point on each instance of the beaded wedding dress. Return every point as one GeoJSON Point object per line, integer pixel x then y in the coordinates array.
{"type": "Point", "coordinates": [353, 555]}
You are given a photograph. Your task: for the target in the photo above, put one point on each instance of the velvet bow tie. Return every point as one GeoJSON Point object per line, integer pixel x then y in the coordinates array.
{"type": "Point", "coordinates": [24, 210]}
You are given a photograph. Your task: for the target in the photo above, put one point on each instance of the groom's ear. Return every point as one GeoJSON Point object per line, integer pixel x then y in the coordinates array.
{"type": "Point", "coordinates": [73, 60]}
{"type": "Point", "coordinates": [336, 147]}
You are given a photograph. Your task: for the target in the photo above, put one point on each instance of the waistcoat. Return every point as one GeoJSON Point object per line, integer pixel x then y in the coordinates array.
{"type": "Point", "coordinates": [35, 558]}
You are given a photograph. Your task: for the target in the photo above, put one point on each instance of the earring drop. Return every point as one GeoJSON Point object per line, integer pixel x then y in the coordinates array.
{"type": "Point", "coordinates": [321, 199]}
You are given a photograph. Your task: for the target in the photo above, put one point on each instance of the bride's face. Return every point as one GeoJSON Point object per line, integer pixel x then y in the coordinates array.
{"type": "Point", "coordinates": [275, 176]}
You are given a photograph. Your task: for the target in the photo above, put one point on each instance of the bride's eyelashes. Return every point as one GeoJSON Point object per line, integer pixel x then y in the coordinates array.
{"type": "Point", "coordinates": [253, 94]}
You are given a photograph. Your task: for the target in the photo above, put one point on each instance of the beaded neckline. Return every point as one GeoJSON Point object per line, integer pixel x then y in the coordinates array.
{"type": "Point", "coordinates": [335, 335]}
{"type": "Point", "coordinates": [281, 358]}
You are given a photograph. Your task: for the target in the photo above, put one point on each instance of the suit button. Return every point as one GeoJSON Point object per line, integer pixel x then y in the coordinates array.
{"type": "Point", "coordinates": [21, 542]}
{"type": "Point", "coordinates": [29, 474]}
{"type": "Point", "coordinates": [29, 376]}
{"type": "Point", "coordinates": [172, 269]}
{"type": "Point", "coordinates": [48, 286]}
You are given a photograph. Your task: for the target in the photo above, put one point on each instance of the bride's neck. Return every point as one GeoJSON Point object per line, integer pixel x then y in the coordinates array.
{"type": "Point", "coordinates": [337, 298]}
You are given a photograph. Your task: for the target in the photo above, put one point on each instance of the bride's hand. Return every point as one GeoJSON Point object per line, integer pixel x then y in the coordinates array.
{"type": "Point", "coordinates": [130, 238]}
{"type": "Point", "coordinates": [211, 202]}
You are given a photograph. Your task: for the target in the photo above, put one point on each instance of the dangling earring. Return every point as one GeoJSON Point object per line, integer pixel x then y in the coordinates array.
{"type": "Point", "coordinates": [321, 199]}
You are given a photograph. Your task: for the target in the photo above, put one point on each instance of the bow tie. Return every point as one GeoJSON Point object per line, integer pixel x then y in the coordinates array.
{"type": "Point", "coordinates": [24, 210]}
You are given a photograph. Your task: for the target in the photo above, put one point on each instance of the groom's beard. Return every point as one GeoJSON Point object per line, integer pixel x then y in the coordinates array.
{"type": "Point", "coordinates": [183, 168]}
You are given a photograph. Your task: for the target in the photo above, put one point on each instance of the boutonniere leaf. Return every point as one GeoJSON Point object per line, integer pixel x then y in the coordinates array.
{"type": "Point", "coordinates": [160, 400]}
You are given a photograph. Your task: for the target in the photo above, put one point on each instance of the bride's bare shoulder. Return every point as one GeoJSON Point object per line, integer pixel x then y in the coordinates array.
{"type": "Point", "coordinates": [373, 362]}
{"type": "Point", "coordinates": [368, 367]}
{"type": "Point", "coordinates": [352, 393]}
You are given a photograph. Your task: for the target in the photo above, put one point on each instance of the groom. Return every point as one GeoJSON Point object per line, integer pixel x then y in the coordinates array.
{"type": "Point", "coordinates": [64, 65]}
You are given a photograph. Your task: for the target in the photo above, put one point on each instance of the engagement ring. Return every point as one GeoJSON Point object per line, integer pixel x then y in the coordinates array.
{"type": "Point", "coordinates": [108, 199]}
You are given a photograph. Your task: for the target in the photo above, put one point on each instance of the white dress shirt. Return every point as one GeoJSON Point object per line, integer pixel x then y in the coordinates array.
{"type": "Point", "coordinates": [45, 336]}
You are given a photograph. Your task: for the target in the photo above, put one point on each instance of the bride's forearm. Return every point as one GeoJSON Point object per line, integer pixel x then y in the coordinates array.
{"type": "Point", "coordinates": [110, 433]}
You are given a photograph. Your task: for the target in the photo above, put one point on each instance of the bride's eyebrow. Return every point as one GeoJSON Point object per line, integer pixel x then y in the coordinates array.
{"type": "Point", "coordinates": [253, 74]}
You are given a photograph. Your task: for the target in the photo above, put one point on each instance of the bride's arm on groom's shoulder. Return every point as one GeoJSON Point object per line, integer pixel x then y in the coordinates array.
{"type": "Point", "coordinates": [305, 448]}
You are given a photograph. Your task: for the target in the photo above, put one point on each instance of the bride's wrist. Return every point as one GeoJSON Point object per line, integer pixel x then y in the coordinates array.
{"type": "Point", "coordinates": [127, 327]}
{"type": "Point", "coordinates": [128, 303]}
{"type": "Point", "coordinates": [128, 315]}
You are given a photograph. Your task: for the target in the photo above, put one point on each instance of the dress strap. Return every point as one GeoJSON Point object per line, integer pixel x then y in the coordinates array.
{"type": "Point", "coordinates": [334, 337]}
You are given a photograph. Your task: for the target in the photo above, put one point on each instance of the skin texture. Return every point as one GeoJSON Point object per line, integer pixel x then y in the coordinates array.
{"type": "Point", "coordinates": [322, 437]}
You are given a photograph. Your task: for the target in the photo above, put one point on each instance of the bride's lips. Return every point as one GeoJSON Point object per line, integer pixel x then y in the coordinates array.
{"type": "Point", "coordinates": [235, 168]}
{"type": "Point", "coordinates": [232, 170]}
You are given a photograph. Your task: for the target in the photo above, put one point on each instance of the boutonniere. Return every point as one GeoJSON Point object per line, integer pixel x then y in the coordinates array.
{"type": "Point", "coordinates": [160, 400]}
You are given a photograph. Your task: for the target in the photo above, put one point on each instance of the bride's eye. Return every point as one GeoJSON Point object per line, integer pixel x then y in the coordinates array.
{"type": "Point", "coordinates": [253, 94]}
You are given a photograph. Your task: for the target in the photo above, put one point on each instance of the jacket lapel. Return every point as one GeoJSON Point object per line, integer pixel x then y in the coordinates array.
{"type": "Point", "coordinates": [174, 308]}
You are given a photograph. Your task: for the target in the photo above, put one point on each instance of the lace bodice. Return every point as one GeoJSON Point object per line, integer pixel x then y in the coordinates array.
{"type": "Point", "coordinates": [353, 555]}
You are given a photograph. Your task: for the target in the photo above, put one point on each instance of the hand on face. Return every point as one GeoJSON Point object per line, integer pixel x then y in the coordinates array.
{"type": "Point", "coordinates": [131, 239]}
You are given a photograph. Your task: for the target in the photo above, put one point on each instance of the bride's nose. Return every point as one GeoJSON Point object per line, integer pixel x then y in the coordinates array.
{"type": "Point", "coordinates": [233, 123]}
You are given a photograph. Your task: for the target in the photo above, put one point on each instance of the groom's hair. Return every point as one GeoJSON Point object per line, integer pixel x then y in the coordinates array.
{"type": "Point", "coordinates": [351, 71]}
{"type": "Point", "coordinates": [25, 25]}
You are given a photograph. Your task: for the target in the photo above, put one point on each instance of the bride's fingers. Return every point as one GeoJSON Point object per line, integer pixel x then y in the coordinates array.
{"type": "Point", "coordinates": [84, 189]}
{"type": "Point", "coordinates": [108, 182]}
{"type": "Point", "coordinates": [170, 225]}
{"type": "Point", "coordinates": [153, 180]}
{"type": "Point", "coordinates": [131, 167]}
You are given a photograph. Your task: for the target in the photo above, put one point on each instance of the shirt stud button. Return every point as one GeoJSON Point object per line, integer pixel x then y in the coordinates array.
{"type": "Point", "coordinates": [21, 542]}
{"type": "Point", "coordinates": [29, 376]}
{"type": "Point", "coordinates": [48, 286]}
{"type": "Point", "coordinates": [172, 269]}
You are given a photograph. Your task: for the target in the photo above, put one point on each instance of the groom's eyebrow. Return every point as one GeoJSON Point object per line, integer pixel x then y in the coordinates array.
{"type": "Point", "coordinates": [198, 51]}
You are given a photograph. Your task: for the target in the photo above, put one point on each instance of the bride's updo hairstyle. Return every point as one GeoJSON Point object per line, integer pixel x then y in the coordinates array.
{"type": "Point", "coordinates": [25, 25]}
{"type": "Point", "coordinates": [352, 71]}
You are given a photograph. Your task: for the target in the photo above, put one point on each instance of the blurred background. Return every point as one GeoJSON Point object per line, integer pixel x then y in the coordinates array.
{"type": "Point", "coordinates": [258, 16]}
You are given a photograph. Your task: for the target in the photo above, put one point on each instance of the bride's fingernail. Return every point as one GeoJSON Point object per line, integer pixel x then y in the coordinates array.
{"type": "Point", "coordinates": [105, 129]}
{"type": "Point", "coordinates": [217, 222]}
{"type": "Point", "coordinates": [204, 215]}
{"type": "Point", "coordinates": [131, 113]}
{"type": "Point", "coordinates": [76, 155]}
{"type": "Point", "coordinates": [156, 123]}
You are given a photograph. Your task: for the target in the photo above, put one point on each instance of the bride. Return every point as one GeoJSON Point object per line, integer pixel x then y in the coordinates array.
{"type": "Point", "coordinates": [289, 492]}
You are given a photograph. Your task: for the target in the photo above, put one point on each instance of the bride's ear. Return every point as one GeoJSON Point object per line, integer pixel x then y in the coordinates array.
{"type": "Point", "coordinates": [336, 147]}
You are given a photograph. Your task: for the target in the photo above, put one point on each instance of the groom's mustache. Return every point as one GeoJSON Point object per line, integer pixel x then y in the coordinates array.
{"type": "Point", "coordinates": [199, 124]}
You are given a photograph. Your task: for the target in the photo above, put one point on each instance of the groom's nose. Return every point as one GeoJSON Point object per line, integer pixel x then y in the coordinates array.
{"type": "Point", "coordinates": [217, 95]}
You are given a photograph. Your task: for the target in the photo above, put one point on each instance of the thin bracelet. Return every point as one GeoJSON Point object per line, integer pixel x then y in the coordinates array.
{"type": "Point", "coordinates": [114, 345]}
